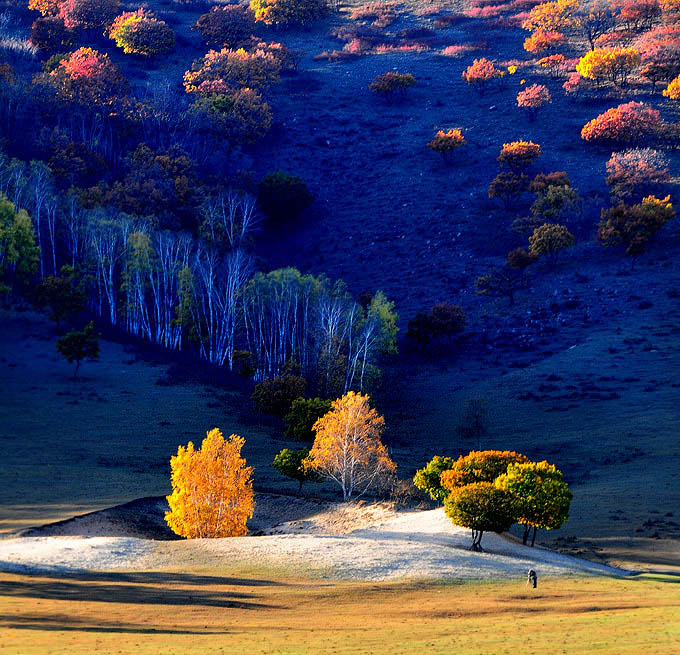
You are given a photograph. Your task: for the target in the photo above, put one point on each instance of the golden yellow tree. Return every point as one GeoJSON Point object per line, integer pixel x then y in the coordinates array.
{"type": "Point", "coordinates": [347, 448]}
{"type": "Point", "coordinates": [212, 490]}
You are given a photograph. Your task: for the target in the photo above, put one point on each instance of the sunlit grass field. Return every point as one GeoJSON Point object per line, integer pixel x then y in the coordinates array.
{"type": "Point", "coordinates": [261, 612]}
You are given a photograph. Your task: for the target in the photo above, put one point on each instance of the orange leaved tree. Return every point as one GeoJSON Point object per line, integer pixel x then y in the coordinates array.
{"type": "Point", "coordinates": [479, 466]}
{"type": "Point", "coordinates": [347, 448]}
{"type": "Point", "coordinates": [212, 490]}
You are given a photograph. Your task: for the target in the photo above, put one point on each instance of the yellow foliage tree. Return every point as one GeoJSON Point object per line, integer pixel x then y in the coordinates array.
{"type": "Point", "coordinates": [212, 490]}
{"type": "Point", "coordinates": [347, 448]}
{"type": "Point", "coordinates": [45, 7]}
{"type": "Point", "coordinates": [551, 16]}
{"type": "Point", "coordinates": [613, 64]}
{"type": "Point", "coordinates": [672, 91]}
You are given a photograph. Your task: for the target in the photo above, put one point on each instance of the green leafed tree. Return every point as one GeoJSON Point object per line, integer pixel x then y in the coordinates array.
{"type": "Point", "coordinates": [19, 253]}
{"type": "Point", "coordinates": [288, 463]}
{"type": "Point", "coordinates": [482, 507]}
{"type": "Point", "coordinates": [78, 345]}
{"type": "Point", "coordinates": [304, 413]}
{"type": "Point", "coordinates": [428, 478]}
{"type": "Point", "coordinates": [541, 496]}
{"type": "Point", "coordinates": [61, 295]}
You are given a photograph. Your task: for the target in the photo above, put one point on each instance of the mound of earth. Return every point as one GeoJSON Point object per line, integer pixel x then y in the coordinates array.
{"type": "Point", "coordinates": [274, 514]}
{"type": "Point", "coordinates": [361, 541]}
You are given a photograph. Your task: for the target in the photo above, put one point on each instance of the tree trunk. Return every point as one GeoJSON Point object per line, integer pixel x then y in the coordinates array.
{"type": "Point", "coordinates": [533, 538]}
{"type": "Point", "coordinates": [75, 373]}
{"type": "Point", "coordinates": [300, 487]}
{"type": "Point", "coordinates": [525, 536]}
{"type": "Point", "coordinates": [476, 541]}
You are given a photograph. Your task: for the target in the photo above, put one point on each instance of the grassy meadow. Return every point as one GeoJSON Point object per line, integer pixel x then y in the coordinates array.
{"type": "Point", "coordinates": [261, 612]}
{"type": "Point", "coordinates": [73, 446]}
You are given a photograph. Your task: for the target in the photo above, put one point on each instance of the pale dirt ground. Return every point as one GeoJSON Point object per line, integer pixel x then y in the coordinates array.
{"type": "Point", "coordinates": [355, 541]}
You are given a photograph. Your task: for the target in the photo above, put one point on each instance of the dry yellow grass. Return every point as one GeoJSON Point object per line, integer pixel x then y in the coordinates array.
{"type": "Point", "coordinates": [254, 613]}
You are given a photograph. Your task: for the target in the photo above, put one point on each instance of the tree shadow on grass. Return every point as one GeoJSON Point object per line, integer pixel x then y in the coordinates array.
{"type": "Point", "coordinates": [63, 623]}
{"type": "Point", "coordinates": [138, 588]}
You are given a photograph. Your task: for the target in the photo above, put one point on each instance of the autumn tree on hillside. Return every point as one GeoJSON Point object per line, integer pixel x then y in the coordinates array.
{"type": "Point", "coordinates": [288, 12]}
{"type": "Point", "coordinates": [550, 239]}
{"type": "Point", "coordinates": [212, 490]}
{"type": "Point", "coordinates": [226, 26]}
{"type": "Point", "coordinates": [87, 77]}
{"type": "Point", "coordinates": [221, 70]}
{"type": "Point", "coordinates": [672, 91]}
{"type": "Point", "coordinates": [612, 64]}
{"type": "Point", "coordinates": [636, 15]}
{"type": "Point", "coordinates": [479, 466]}
{"type": "Point", "coordinates": [533, 98]}
{"type": "Point", "coordinates": [479, 74]}
{"type": "Point", "coordinates": [541, 41]}
{"type": "Point", "coordinates": [636, 171]}
{"type": "Point", "coordinates": [551, 16]}
{"type": "Point", "coordinates": [595, 20]}
{"type": "Point", "coordinates": [541, 496]}
{"type": "Point", "coordinates": [632, 226]}
{"type": "Point", "coordinates": [446, 142]}
{"type": "Point", "coordinates": [45, 7]}
{"type": "Point", "coordinates": [627, 123]}
{"type": "Point", "coordinates": [519, 154]}
{"type": "Point", "coordinates": [141, 33]}
{"type": "Point", "coordinates": [392, 84]}
{"type": "Point", "coordinates": [482, 507]}
{"type": "Point", "coordinates": [88, 14]}
{"type": "Point", "coordinates": [347, 448]}
{"type": "Point", "coordinates": [507, 186]}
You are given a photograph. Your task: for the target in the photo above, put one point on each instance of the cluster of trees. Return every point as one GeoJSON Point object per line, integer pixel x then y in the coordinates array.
{"type": "Point", "coordinates": [490, 490]}
{"type": "Point", "coordinates": [212, 489]}
{"type": "Point", "coordinates": [181, 291]}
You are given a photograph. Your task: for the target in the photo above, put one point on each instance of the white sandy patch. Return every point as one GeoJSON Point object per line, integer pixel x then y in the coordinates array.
{"type": "Point", "coordinates": [408, 544]}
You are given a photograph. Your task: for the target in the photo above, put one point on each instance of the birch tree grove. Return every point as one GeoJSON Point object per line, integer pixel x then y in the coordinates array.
{"type": "Point", "coordinates": [200, 292]}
